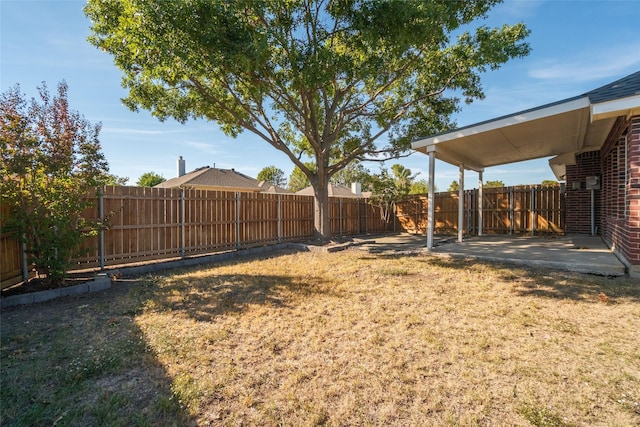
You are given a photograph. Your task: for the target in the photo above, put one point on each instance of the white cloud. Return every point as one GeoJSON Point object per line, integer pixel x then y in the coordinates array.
{"type": "Point", "coordinates": [607, 62]}
{"type": "Point", "coordinates": [139, 131]}
{"type": "Point", "coordinates": [204, 147]}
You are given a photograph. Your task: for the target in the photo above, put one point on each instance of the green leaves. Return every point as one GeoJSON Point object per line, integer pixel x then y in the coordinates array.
{"type": "Point", "coordinates": [150, 179]}
{"type": "Point", "coordinates": [323, 81]}
{"type": "Point", "coordinates": [273, 175]}
{"type": "Point", "coordinates": [50, 160]}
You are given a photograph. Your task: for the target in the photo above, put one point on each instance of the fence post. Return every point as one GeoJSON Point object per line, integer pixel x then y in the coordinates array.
{"type": "Point", "coordinates": [366, 217]}
{"type": "Point", "coordinates": [533, 212]}
{"type": "Point", "coordinates": [183, 237]}
{"type": "Point", "coordinates": [470, 224]}
{"type": "Point", "coordinates": [511, 212]}
{"type": "Point", "coordinates": [279, 218]}
{"type": "Point", "coordinates": [395, 216]}
{"type": "Point", "coordinates": [25, 266]}
{"type": "Point", "coordinates": [340, 217]}
{"type": "Point", "coordinates": [358, 213]}
{"type": "Point", "coordinates": [418, 211]}
{"type": "Point", "coordinates": [101, 216]}
{"type": "Point", "coordinates": [238, 220]}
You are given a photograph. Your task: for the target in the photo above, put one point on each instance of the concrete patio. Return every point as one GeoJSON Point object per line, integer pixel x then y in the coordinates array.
{"type": "Point", "coordinates": [579, 253]}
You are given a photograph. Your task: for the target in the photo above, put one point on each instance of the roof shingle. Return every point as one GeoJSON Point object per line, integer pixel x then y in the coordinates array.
{"type": "Point", "coordinates": [212, 177]}
{"type": "Point", "coordinates": [622, 88]}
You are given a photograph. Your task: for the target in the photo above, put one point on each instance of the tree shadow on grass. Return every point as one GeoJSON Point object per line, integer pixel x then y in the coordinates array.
{"type": "Point", "coordinates": [537, 281]}
{"type": "Point", "coordinates": [83, 361]}
{"type": "Point", "coordinates": [575, 286]}
{"type": "Point", "coordinates": [205, 297]}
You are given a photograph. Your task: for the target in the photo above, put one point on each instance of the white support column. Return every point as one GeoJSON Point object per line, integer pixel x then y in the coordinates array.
{"type": "Point", "coordinates": [461, 205]}
{"type": "Point", "coordinates": [431, 200]}
{"type": "Point", "coordinates": [480, 203]}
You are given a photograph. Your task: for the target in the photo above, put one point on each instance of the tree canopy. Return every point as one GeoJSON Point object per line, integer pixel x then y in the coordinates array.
{"type": "Point", "coordinates": [273, 175]}
{"type": "Point", "coordinates": [150, 179]}
{"type": "Point", "coordinates": [353, 172]}
{"type": "Point", "coordinates": [298, 180]}
{"type": "Point", "coordinates": [420, 186]}
{"type": "Point", "coordinates": [325, 82]}
{"type": "Point", "coordinates": [50, 159]}
{"type": "Point", "coordinates": [494, 184]}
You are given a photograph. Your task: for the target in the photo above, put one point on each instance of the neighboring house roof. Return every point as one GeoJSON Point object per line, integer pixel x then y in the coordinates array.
{"type": "Point", "coordinates": [562, 129]}
{"type": "Point", "coordinates": [268, 187]}
{"type": "Point", "coordinates": [214, 179]}
{"type": "Point", "coordinates": [336, 190]}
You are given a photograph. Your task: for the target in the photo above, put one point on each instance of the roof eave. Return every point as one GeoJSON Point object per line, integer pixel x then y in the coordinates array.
{"type": "Point", "coordinates": [629, 106]}
{"type": "Point", "coordinates": [548, 110]}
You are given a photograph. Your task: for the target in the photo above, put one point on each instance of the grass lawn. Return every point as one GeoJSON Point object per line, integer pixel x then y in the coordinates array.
{"type": "Point", "coordinates": [347, 338]}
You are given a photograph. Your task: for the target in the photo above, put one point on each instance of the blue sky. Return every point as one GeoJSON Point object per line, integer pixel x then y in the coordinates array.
{"type": "Point", "coordinates": [576, 46]}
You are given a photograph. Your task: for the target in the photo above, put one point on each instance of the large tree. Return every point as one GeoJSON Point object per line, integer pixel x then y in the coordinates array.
{"type": "Point", "coordinates": [330, 81]}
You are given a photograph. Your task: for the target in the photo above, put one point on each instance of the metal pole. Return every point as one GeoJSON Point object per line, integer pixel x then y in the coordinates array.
{"type": "Point", "coordinates": [593, 213]}
{"type": "Point", "coordinates": [366, 217]}
{"type": "Point", "coordinates": [430, 206]}
{"type": "Point", "coordinates": [238, 220]}
{"type": "Point", "coordinates": [511, 210]}
{"type": "Point", "coordinates": [279, 218]}
{"type": "Point", "coordinates": [183, 237]}
{"type": "Point", "coordinates": [480, 203]}
{"type": "Point", "coordinates": [101, 216]}
{"type": "Point", "coordinates": [418, 210]}
{"type": "Point", "coordinates": [533, 212]}
{"type": "Point", "coordinates": [395, 216]}
{"type": "Point", "coordinates": [461, 205]}
{"type": "Point", "coordinates": [358, 213]}
{"type": "Point", "coordinates": [469, 210]}
{"type": "Point", "coordinates": [340, 217]}
{"type": "Point", "coordinates": [25, 265]}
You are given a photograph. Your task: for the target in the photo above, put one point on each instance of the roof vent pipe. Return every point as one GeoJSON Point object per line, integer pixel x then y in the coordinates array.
{"type": "Point", "coordinates": [356, 188]}
{"type": "Point", "coordinates": [181, 166]}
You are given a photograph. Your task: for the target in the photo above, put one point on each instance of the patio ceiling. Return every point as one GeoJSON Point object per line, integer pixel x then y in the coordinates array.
{"type": "Point", "coordinates": [562, 129]}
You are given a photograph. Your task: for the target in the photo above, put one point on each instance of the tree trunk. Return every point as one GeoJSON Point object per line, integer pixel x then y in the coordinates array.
{"type": "Point", "coordinates": [321, 220]}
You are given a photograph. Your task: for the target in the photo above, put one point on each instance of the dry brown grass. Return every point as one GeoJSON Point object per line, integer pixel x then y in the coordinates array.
{"type": "Point", "coordinates": [353, 338]}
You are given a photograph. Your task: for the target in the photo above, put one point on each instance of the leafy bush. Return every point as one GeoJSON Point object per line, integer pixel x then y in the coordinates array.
{"type": "Point", "coordinates": [50, 160]}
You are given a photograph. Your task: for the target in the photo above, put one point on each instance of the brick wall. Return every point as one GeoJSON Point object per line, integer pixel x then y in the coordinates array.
{"type": "Point", "coordinates": [629, 240]}
{"type": "Point", "coordinates": [578, 198]}
{"type": "Point", "coordinates": [620, 214]}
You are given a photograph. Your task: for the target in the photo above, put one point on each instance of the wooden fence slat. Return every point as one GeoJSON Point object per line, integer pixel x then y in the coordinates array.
{"type": "Point", "coordinates": [145, 223]}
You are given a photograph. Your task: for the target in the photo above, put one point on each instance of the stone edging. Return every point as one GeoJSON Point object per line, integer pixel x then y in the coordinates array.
{"type": "Point", "coordinates": [99, 283]}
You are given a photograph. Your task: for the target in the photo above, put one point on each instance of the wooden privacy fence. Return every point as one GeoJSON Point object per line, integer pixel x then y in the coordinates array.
{"type": "Point", "coordinates": [145, 224]}
{"type": "Point", "coordinates": [505, 210]}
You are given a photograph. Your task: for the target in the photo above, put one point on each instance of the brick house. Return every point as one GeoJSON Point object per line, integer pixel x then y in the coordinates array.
{"type": "Point", "coordinates": [594, 139]}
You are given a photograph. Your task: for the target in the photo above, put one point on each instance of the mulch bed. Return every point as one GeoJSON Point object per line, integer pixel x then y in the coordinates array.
{"type": "Point", "coordinates": [38, 284]}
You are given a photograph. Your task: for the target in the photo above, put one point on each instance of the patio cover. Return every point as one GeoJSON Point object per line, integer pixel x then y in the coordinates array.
{"type": "Point", "coordinates": [561, 129]}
